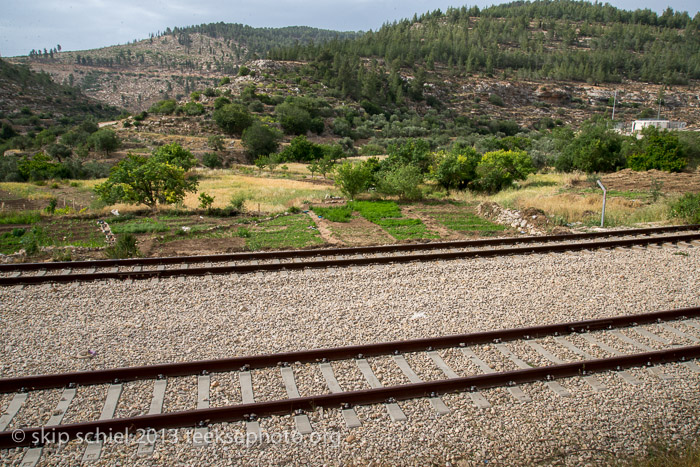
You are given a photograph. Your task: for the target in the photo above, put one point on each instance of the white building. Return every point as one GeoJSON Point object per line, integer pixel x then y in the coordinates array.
{"type": "Point", "coordinates": [639, 125]}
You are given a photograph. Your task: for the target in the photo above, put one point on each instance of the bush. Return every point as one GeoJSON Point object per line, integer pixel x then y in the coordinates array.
{"type": "Point", "coordinates": [33, 239]}
{"type": "Point", "coordinates": [39, 167]}
{"type": "Point", "coordinates": [193, 108]}
{"type": "Point", "coordinates": [210, 92]}
{"type": "Point", "coordinates": [495, 99]}
{"type": "Point", "coordinates": [125, 247]}
{"type": "Point", "coordinates": [372, 150]}
{"type": "Point", "coordinates": [243, 232]}
{"type": "Point", "coordinates": [455, 169]}
{"type": "Point", "coordinates": [658, 150]}
{"type": "Point", "coordinates": [294, 120]}
{"type": "Point", "coordinates": [205, 200]}
{"type": "Point", "coordinates": [353, 179]}
{"type": "Point", "coordinates": [237, 202]}
{"type": "Point", "coordinates": [403, 182]}
{"type": "Point", "coordinates": [51, 208]}
{"type": "Point", "coordinates": [687, 208]}
{"type": "Point", "coordinates": [104, 140]}
{"type": "Point", "coordinates": [212, 160]}
{"type": "Point", "coordinates": [233, 118]}
{"type": "Point", "coordinates": [499, 169]}
{"type": "Point", "coordinates": [164, 107]}
{"type": "Point", "coordinates": [301, 150]}
{"type": "Point", "coordinates": [220, 102]}
{"type": "Point", "coordinates": [261, 140]}
{"type": "Point", "coordinates": [216, 142]}
{"type": "Point", "coordinates": [594, 149]}
{"type": "Point", "coordinates": [414, 152]}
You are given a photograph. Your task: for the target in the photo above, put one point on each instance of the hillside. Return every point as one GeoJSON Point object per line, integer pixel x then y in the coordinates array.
{"type": "Point", "coordinates": [552, 60]}
{"type": "Point", "coordinates": [170, 64]}
{"type": "Point", "coordinates": [467, 75]}
{"type": "Point", "coordinates": [25, 91]}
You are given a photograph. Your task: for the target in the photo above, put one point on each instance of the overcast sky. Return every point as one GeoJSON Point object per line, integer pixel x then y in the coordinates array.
{"type": "Point", "coordinates": [89, 24]}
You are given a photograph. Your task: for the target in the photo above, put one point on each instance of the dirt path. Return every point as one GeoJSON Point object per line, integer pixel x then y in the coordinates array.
{"type": "Point", "coordinates": [322, 225]}
{"type": "Point", "coordinates": [430, 223]}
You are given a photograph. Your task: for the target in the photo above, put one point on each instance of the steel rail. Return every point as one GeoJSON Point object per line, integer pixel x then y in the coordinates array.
{"type": "Point", "coordinates": [200, 417]}
{"type": "Point", "coordinates": [27, 383]}
{"type": "Point", "coordinates": [358, 261]}
{"type": "Point", "coordinates": [263, 255]}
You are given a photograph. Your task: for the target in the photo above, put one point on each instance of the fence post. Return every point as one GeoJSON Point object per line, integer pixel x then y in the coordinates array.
{"type": "Point", "coordinates": [605, 193]}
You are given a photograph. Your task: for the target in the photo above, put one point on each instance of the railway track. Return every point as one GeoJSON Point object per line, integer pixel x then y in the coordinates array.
{"type": "Point", "coordinates": [240, 263]}
{"type": "Point", "coordinates": [629, 346]}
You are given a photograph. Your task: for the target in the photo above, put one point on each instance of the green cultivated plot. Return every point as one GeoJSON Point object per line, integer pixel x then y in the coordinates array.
{"type": "Point", "coordinates": [388, 216]}
{"type": "Point", "coordinates": [284, 232]}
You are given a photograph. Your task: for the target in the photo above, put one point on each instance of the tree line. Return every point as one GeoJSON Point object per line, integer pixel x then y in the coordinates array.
{"type": "Point", "coordinates": [545, 39]}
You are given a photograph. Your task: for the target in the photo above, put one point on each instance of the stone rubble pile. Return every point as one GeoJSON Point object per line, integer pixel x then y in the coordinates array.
{"type": "Point", "coordinates": [521, 221]}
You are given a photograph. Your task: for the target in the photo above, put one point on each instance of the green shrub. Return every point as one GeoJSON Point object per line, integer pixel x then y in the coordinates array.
{"type": "Point", "coordinates": [594, 149]}
{"type": "Point", "coordinates": [237, 201]}
{"type": "Point", "coordinates": [243, 232]}
{"type": "Point", "coordinates": [125, 247]}
{"type": "Point", "coordinates": [301, 150]}
{"type": "Point", "coordinates": [193, 108]}
{"type": "Point", "coordinates": [455, 169]}
{"type": "Point", "coordinates": [220, 102]}
{"type": "Point", "coordinates": [687, 208]}
{"type": "Point", "coordinates": [499, 169]}
{"type": "Point", "coordinates": [51, 208]}
{"type": "Point", "coordinates": [352, 179]}
{"type": "Point", "coordinates": [210, 92]}
{"type": "Point", "coordinates": [495, 99]}
{"type": "Point", "coordinates": [660, 150]}
{"type": "Point", "coordinates": [164, 107]}
{"type": "Point", "coordinates": [205, 200]}
{"type": "Point", "coordinates": [33, 239]}
{"type": "Point", "coordinates": [403, 182]}
{"type": "Point", "coordinates": [212, 160]}
{"type": "Point", "coordinates": [294, 120]}
{"type": "Point", "coordinates": [233, 118]}
{"type": "Point", "coordinates": [261, 140]}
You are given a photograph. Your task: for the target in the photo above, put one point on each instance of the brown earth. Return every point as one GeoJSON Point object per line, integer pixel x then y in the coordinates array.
{"type": "Point", "coordinates": [10, 202]}
{"type": "Point", "coordinates": [359, 232]}
{"type": "Point", "coordinates": [629, 180]}
{"type": "Point", "coordinates": [66, 196]}
{"type": "Point", "coordinates": [192, 246]}
{"type": "Point", "coordinates": [323, 229]}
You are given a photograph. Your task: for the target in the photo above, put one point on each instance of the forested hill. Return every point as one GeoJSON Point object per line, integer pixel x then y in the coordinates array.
{"type": "Point", "coordinates": [257, 42]}
{"type": "Point", "coordinates": [25, 92]}
{"type": "Point", "coordinates": [559, 40]}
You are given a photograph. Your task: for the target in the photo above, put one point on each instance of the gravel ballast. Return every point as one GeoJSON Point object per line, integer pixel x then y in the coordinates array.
{"type": "Point", "coordinates": [49, 329]}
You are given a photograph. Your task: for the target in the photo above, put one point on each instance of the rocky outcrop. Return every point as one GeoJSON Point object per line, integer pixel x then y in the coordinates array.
{"type": "Point", "coordinates": [556, 95]}
{"type": "Point", "coordinates": [530, 221]}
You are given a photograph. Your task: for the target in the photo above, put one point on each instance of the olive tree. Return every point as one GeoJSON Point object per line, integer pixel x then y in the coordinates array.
{"type": "Point", "coordinates": [159, 179]}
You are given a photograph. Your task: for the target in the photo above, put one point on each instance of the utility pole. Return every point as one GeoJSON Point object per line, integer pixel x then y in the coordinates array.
{"type": "Point", "coordinates": [614, 102]}
{"type": "Point", "coordinates": [661, 96]}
